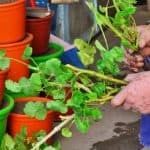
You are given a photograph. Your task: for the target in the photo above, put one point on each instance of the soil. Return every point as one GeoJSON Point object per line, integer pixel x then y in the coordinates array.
{"type": "Point", "coordinates": [18, 108]}
{"type": "Point", "coordinates": [50, 51]}
{"type": "Point", "coordinates": [127, 138]}
{"type": "Point", "coordinates": [4, 104]}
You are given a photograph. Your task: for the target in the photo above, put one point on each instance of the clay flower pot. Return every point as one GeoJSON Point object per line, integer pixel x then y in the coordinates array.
{"type": "Point", "coordinates": [40, 28]}
{"type": "Point", "coordinates": [4, 111]}
{"type": "Point", "coordinates": [12, 21]}
{"type": "Point", "coordinates": [3, 76]}
{"type": "Point", "coordinates": [16, 50]}
{"type": "Point", "coordinates": [17, 120]}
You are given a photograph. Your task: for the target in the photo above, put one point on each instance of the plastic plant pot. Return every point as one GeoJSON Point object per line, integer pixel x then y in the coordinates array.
{"type": "Point", "coordinates": [17, 120]}
{"type": "Point", "coordinates": [16, 50]}
{"type": "Point", "coordinates": [12, 21]}
{"type": "Point", "coordinates": [40, 28]}
{"type": "Point", "coordinates": [4, 114]}
{"type": "Point", "coordinates": [59, 50]}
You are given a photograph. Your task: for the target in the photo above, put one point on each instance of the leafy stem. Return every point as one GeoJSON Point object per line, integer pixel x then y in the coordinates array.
{"type": "Point", "coordinates": [96, 74]}
{"type": "Point", "coordinates": [21, 62]}
{"type": "Point", "coordinates": [53, 132]}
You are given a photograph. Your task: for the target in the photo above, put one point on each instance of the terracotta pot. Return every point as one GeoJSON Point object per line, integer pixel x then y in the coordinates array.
{"type": "Point", "coordinates": [17, 121]}
{"type": "Point", "coordinates": [40, 28]}
{"type": "Point", "coordinates": [3, 76]}
{"type": "Point", "coordinates": [4, 114]}
{"type": "Point", "coordinates": [16, 50]}
{"type": "Point", "coordinates": [12, 21]}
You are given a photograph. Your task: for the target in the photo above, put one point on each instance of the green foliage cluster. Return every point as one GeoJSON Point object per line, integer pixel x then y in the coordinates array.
{"type": "Point", "coordinates": [4, 61]}
{"type": "Point", "coordinates": [20, 142]}
{"type": "Point", "coordinates": [89, 89]}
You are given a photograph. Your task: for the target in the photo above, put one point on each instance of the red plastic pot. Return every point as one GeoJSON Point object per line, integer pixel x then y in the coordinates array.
{"type": "Point", "coordinates": [3, 76]}
{"type": "Point", "coordinates": [40, 28]}
{"type": "Point", "coordinates": [17, 121]}
{"type": "Point", "coordinates": [12, 21]}
{"type": "Point", "coordinates": [16, 50]}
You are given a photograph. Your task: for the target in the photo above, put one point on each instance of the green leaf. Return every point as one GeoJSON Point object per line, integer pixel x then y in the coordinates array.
{"type": "Point", "coordinates": [27, 53]}
{"type": "Point", "coordinates": [99, 89]}
{"type": "Point", "coordinates": [57, 106]}
{"type": "Point", "coordinates": [82, 125]}
{"type": "Point", "coordinates": [7, 143]}
{"type": "Point", "coordinates": [53, 66]}
{"type": "Point", "coordinates": [86, 51]}
{"type": "Point", "coordinates": [4, 63]}
{"type": "Point", "coordinates": [50, 148]}
{"type": "Point", "coordinates": [92, 95]}
{"type": "Point", "coordinates": [102, 9]}
{"type": "Point", "coordinates": [58, 94]}
{"type": "Point", "coordinates": [13, 86]}
{"type": "Point", "coordinates": [96, 114]}
{"type": "Point", "coordinates": [35, 109]}
{"type": "Point", "coordinates": [2, 53]}
{"type": "Point", "coordinates": [77, 98]}
{"type": "Point", "coordinates": [100, 46]}
{"type": "Point", "coordinates": [66, 132]}
{"type": "Point", "coordinates": [36, 81]}
{"type": "Point", "coordinates": [57, 145]}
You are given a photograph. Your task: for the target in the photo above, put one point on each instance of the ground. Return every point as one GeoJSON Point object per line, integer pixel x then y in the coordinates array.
{"type": "Point", "coordinates": [119, 129]}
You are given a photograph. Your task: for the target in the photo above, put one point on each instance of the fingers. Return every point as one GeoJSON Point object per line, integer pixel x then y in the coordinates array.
{"type": "Point", "coordinates": [144, 32]}
{"type": "Point", "coordinates": [119, 98]}
{"type": "Point", "coordinates": [131, 77]}
{"type": "Point", "coordinates": [127, 106]}
{"type": "Point", "coordinates": [145, 51]}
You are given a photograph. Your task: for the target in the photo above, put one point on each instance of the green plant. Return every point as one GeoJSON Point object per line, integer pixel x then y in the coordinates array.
{"type": "Point", "coordinates": [89, 89]}
{"type": "Point", "coordinates": [52, 77]}
{"type": "Point", "coordinates": [4, 61]}
{"type": "Point", "coordinates": [20, 142]}
{"type": "Point", "coordinates": [122, 24]}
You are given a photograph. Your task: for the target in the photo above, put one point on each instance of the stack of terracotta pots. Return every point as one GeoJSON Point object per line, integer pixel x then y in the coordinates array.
{"type": "Point", "coordinates": [13, 37]}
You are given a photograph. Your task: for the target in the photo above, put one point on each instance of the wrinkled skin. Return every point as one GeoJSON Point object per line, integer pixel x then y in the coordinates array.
{"type": "Point", "coordinates": [136, 62]}
{"type": "Point", "coordinates": [136, 95]}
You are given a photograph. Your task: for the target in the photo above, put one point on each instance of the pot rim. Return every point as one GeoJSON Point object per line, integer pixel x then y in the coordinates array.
{"type": "Point", "coordinates": [8, 108]}
{"type": "Point", "coordinates": [36, 20]}
{"type": "Point", "coordinates": [28, 99]}
{"type": "Point", "coordinates": [58, 52]}
{"type": "Point", "coordinates": [28, 38]}
{"type": "Point", "coordinates": [12, 4]}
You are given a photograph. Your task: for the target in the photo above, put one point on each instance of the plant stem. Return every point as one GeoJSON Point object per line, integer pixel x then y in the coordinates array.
{"type": "Point", "coordinates": [113, 91]}
{"type": "Point", "coordinates": [102, 100]}
{"type": "Point", "coordinates": [53, 132]}
{"type": "Point", "coordinates": [105, 39]}
{"type": "Point", "coordinates": [21, 62]}
{"type": "Point", "coordinates": [116, 7]}
{"type": "Point", "coordinates": [99, 75]}
{"type": "Point", "coordinates": [81, 86]}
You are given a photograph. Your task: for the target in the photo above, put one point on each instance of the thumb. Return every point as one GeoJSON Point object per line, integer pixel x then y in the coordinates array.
{"type": "Point", "coordinates": [142, 43]}
{"type": "Point", "coordinates": [131, 77]}
{"type": "Point", "coordinates": [119, 98]}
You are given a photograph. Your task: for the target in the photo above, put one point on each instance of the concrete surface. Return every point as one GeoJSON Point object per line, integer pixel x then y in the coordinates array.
{"type": "Point", "coordinates": [117, 127]}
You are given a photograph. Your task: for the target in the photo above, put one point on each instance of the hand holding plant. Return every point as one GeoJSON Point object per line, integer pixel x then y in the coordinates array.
{"type": "Point", "coordinates": [136, 95]}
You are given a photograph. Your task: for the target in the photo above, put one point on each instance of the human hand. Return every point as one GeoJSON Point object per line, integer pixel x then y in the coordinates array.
{"type": "Point", "coordinates": [136, 95]}
{"type": "Point", "coordinates": [135, 62]}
